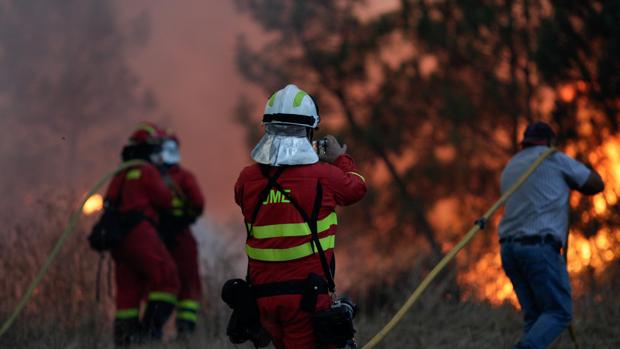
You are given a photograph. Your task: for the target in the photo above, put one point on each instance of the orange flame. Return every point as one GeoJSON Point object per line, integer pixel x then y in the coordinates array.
{"type": "Point", "coordinates": [487, 281]}
{"type": "Point", "coordinates": [567, 93]}
{"type": "Point", "coordinates": [595, 253]}
{"type": "Point", "coordinates": [93, 205]}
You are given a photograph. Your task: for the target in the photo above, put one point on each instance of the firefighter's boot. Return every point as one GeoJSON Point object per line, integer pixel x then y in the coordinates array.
{"type": "Point", "coordinates": [155, 316]}
{"type": "Point", "coordinates": [187, 314]}
{"type": "Point", "coordinates": [127, 332]}
{"type": "Point", "coordinates": [185, 328]}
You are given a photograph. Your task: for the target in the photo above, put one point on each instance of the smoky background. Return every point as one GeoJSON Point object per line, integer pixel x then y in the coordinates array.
{"type": "Point", "coordinates": [75, 77]}
{"type": "Point", "coordinates": [430, 96]}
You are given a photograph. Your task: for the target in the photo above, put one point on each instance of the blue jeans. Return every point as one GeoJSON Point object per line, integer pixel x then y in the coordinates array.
{"type": "Point", "coordinates": [540, 280]}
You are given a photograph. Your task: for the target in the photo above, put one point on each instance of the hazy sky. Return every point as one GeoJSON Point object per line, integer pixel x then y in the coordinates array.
{"type": "Point", "coordinates": [189, 63]}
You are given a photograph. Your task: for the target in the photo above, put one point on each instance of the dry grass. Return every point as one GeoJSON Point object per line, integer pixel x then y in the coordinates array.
{"type": "Point", "coordinates": [64, 314]}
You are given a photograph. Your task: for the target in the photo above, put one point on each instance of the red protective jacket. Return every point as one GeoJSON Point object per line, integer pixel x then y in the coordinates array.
{"type": "Point", "coordinates": [143, 191]}
{"type": "Point", "coordinates": [186, 181]}
{"type": "Point", "coordinates": [144, 269]}
{"type": "Point", "coordinates": [279, 247]}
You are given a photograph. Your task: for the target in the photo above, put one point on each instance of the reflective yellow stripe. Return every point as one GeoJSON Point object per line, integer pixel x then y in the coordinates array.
{"type": "Point", "coordinates": [187, 315]}
{"type": "Point", "coordinates": [134, 174]}
{"type": "Point", "coordinates": [127, 313]}
{"type": "Point", "coordinates": [146, 127]}
{"type": "Point", "coordinates": [188, 304]}
{"type": "Point", "coordinates": [298, 98]}
{"type": "Point", "coordinates": [287, 254]}
{"type": "Point", "coordinates": [163, 297]}
{"type": "Point", "coordinates": [293, 229]}
{"type": "Point", "coordinates": [272, 99]}
{"type": "Point", "coordinates": [176, 202]}
{"type": "Point", "coordinates": [359, 175]}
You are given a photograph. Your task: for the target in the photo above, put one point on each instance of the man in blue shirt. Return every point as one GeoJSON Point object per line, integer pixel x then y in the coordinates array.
{"type": "Point", "coordinates": [533, 230]}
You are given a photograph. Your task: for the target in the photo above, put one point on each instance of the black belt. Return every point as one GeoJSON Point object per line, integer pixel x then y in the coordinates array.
{"type": "Point", "coordinates": [533, 240]}
{"type": "Point", "coordinates": [286, 288]}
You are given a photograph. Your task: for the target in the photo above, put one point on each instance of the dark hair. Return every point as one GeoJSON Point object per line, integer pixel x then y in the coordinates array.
{"type": "Point", "coordinates": [538, 133]}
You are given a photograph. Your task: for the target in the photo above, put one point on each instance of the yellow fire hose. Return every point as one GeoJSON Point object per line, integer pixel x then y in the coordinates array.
{"type": "Point", "coordinates": [372, 343]}
{"type": "Point", "coordinates": [459, 246]}
{"type": "Point", "coordinates": [73, 219]}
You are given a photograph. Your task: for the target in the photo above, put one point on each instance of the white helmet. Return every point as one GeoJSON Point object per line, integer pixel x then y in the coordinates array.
{"type": "Point", "coordinates": [289, 113]}
{"type": "Point", "coordinates": [291, 106]}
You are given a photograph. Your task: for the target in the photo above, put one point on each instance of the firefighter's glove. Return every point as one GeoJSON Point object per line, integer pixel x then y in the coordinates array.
{"type": "Point", "coordinates": [333, 149]}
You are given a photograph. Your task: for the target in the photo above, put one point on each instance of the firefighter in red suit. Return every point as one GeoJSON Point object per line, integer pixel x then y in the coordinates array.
{"type": "Point", "coordinates": [187, 205]}
{"type": "Point", "coordinates": [279, 242]}
{"type": "Point", "coordinates": [144, 268]}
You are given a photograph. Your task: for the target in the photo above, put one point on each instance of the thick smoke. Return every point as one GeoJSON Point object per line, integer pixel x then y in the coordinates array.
{"type": "Point", "coordinates": [66, 92]}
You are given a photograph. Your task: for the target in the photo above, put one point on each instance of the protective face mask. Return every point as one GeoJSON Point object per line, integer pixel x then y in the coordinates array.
{"type": "Point", "coordinates": [170, 153]}
{"type": "Point", "coordinates": [284, 145]}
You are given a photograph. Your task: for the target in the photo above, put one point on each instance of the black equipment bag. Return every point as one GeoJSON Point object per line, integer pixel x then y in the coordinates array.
{"type": "Point", "coordinates": [107, 233]}
{"type": "Point", "coordinates": [335, 325]}
{"type": "Point", "coordinates": [113, 225]}
{"type": "Point", "coordinates": [244, 322]}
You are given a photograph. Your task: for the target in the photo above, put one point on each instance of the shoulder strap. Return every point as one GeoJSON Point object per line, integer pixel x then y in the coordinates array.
{"type": "Point", "coordinates": [174, 186]}
{"type": "Point", "coordinates": [312, 224]}
{"type": "Point", "coordinates": [271, 180]}
{"type": "Point", "coordinates": [119, 194]}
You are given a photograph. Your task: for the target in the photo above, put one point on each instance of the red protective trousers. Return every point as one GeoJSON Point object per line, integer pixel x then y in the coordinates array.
{"type": "Point", "coordinates": [184, 251]}
{"type": "Point", "coordinates": [289, 326]}
{"type": "Point", "coordinates": [279, 247]}
{"type": "Point", "coordinates": [144, 268]}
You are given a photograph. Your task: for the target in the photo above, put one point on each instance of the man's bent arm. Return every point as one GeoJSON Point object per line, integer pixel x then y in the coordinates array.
{"type": "Point", "coordinates": [593, 185]}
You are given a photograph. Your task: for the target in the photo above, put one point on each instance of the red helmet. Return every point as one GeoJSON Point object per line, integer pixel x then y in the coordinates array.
{"type": "Point", "coordinates": [146, 133]}
{"type": "Point", "coordinates": [170, 134]}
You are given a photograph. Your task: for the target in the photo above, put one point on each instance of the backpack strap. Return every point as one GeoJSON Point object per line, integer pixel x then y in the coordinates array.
{"type": "Point", "coordinates": [118, 200]}
{"type": "Point", "coordinates": [312, 224]}
{"type": "Point", "coordinates": [271, 180]}
{"type": "Point", "coordinates": [174, 186]}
